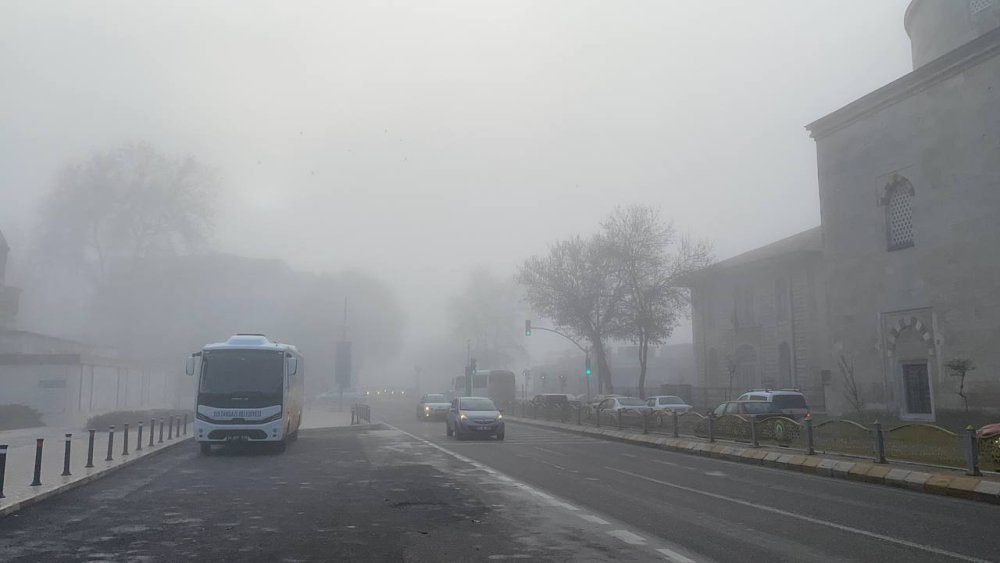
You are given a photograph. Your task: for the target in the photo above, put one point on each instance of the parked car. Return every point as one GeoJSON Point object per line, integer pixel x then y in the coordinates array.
{"type": "Point", "coordinates": [789, 402]}
{"type": "Point", "coordinates": [433, 406]}
{"type": "Point", "coordinates": [623, 408]}
{"type": "Point", "coordinates": [550, 399]}
{"type": "Point", "coordinates": [474, 416]}
{"type": "Point", "coordinates": [668, 403]}
{"type": "Point", "coordinates": [732, 420]}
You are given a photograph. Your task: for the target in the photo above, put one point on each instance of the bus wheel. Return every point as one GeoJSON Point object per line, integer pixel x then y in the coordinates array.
{"type": "Point", "coordinates": [206, 448]}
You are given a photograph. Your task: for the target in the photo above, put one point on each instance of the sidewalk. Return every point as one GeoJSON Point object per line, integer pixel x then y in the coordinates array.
{"type": "Point", "coordinates": [909, 476]}
{"type": "Point", "coordinates": [324, 418]}
{"type": "Point", "coordinates": [17, 489]}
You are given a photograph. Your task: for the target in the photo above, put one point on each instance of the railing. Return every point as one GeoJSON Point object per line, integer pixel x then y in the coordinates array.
{"type": "Point", "coordinates": [916, 442]}
{"type": "Point", "coordinates": [359, 412]}
{"type": "Point", "coordinates": [177, 427]}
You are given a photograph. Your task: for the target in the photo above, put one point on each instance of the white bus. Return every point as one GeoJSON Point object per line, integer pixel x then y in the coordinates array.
{"type": "Point", "coordinates": [249, 390]}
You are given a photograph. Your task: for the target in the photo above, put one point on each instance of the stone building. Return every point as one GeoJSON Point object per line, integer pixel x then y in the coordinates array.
{"type": "Point", "coordinates": [909, 184]}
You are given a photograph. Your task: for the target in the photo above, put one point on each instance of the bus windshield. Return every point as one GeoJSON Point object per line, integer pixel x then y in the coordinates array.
{"type": "Point", "coordinates": [242, 371]}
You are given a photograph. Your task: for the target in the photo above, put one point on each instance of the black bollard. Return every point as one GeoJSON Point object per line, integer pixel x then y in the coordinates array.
{"type": "Point", "coordinates": [170, 430]}
{"type": "Point", "coordinates": [3, 466]}
{"type": "Point", "coordinates": [38, 462]}
{"type": "Point", "coordinates": [69, 440]}
{"type": "Point", "coordinates": [111, 442]}
{"type": "Point", "coordinates": [185, 424]}
{"type": "Point", "coordinates": [161, 431]}
{"type": "Point", "coordinates": [711, 427]}
{"type": "Point", "coordinates": [879, 443]}
{"type": "Point", "coordinates": [152, 428]}
{"type": "Point", "coordinates": [753, 431]}
{"type": "Point", "coordinates": [125, 440]}
{"type": "Point", "coordinates": [673, 415]}
{"type": "Point", "coordinates": [138, 439]}
{"type": "Point", "coordinates": [90, 449]}
{"type": "Point", "coordinates": [810, 445]}
{"type": "Point", "coordinates": [971, 452]}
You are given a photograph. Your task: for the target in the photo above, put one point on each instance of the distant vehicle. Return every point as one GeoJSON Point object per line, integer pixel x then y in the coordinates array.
{"type": "Point", "coordinates": [551, 399]}
{"type": "Point", "coordinates": [499, 385]}
{"type": "Point", "coordinates": [474, 416]}
{"type": "Point", "coordinates": [433, 406]}
{"type": "Point", "coordinates": [334, 397]}
{"type": "Point", "coordinates": [668, 403]}
{"type": "Point", "coordinates": [249, 390]}
{"type": "Point", "coordinates": [789, 402]}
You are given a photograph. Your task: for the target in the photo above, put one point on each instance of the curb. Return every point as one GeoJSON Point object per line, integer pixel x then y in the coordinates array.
{"type": "Point", "coordinates": [12, 508]}
{"type": "Point", "coordinates": [958, 486]}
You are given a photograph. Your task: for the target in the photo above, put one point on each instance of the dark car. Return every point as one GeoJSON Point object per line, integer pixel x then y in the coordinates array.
{"type": "Point", "coordinates": [733, 418]}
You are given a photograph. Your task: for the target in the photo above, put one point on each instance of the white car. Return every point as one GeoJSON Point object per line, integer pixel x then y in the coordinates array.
{"type": "Point", "coordinates": [668, 403]}
{"type": "Point", "coordinates": [433, 406]}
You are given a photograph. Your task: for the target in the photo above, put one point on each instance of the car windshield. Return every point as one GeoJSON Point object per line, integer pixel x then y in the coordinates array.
{"type": "Point", "coordinates": [435, 399]}
{"type": "Point", "coordinates": [789, 402]}
{"type": "Point", "coordinates": [477, 404]}
{"type": "Point", "coordinates": [632, 402]}
{"type": "Point", "coordinates": [242, 371]}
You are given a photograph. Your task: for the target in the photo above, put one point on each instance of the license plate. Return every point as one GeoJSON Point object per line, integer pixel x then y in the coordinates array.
{"type": "Point", "coordinates": [482, 429]}
{"type": "Point", "coordinates": [238, 438]}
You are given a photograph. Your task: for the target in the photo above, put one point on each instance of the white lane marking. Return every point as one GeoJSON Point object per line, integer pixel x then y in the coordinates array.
{"type": "Point", "coordinates": [809, 519]}
{"type": "Point", "coordinates": [546, 450]}
{"type": "Point", "coordinates": [661, 462]}
{"type": "Point", "coordinates": [559, 467]}
{"type": "Point", "coordinates": [628, 537]}
{"type": "Point", "coordinates": [630, 455]}
{"type": "Point", "coordinates": [715, 474]}
{"type": "Point", "coordinates": [674, 556]}
{"type": "Point", "coordinates": [594, 519]}
{"type": "Point", "coordinates": [592, 478]}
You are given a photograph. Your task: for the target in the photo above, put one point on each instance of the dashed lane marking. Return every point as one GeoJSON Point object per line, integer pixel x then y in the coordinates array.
{"type": "Point", "coordinates": [715, 474]}
{"type": "Point", "coordinates": [546, 450]}
{"type": "Point", "coordinates": [672, 555]}
{"type": "Point", "coordinates": [628, 537]}
{"type": "Point", "coordinates": [804, 518]}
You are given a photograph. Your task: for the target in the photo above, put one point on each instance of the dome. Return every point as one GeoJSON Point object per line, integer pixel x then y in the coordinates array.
{"type": "Point", "coordinates": [937, 27]}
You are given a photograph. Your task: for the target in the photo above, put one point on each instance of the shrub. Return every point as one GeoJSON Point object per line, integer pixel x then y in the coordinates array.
{"type": "Point", "coordinates": [19, 416]}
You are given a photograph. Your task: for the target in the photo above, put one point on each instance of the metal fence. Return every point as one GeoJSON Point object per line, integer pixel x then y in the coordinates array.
{"type": "Point", "coordinates": [917, 442]}
{"type": "Point", "coordinates": [359, 412]}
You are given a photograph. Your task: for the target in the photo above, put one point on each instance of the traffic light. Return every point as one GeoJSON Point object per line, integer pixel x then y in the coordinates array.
{"type": "Point", "coordinates": [527, 328]}
{"type": "Point", "coordinates": [586, 369]}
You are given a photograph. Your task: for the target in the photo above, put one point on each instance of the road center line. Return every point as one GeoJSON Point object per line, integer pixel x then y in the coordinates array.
{"type": "Point", "coordinates": [595, 519]}
{"type": "Point", "coordinates": [805, 518]}
{"type": "Point", "coordinates": [628, 537]}
{"type": "Point", "coordinates": [546, 450]}
{"type": "Point", "coordinates": [674, 556]}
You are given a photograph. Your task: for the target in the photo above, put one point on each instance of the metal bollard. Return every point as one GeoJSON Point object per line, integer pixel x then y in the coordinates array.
{"type": "Point", "coordinates": [562, 413]}
{"type": "Point", "coordinates": [879, 443]}
{"type": "Point", "coordinates": [185, 424]}
{"type": "Point", "coordinates": [161, 431]}
{"type": "Point", "coordinates": [111, 442]}
{"type": "Point", "coordinates": [753, 431]}
{"type": "Point", "coordinates": [69, 441]}
{"type": "Point", "coordinates": [90, 449]}
{"type": "Point", "coordinates": [170, 430]}
{"type": "Point", "coordinates": [618, 419]}
{"type": "Point", "coordinates": [971, 452]}
{"type": "Point", "coordinates": [152, 427]}
{"type": "Point", "coordinates": [3, 466]}
{"type": "Point", "coordinates": [810, 444]}
{"type": "Point", "coordinates": [711, 428]}
{"type": "Point", "coordinates": [125, 440]}
{"type": "Point", "coordinates": [673, 415]}
{"type": "Point", "coordinates": [645, 424]}
{"type": "Point", "coordinates": [38, 462]}
{"type": "Point", "coordinates": [579, 415]}
{"type": "Point", "coordinates": [138, 439]}
{"type": "Point", "coordinates": [598, 417]}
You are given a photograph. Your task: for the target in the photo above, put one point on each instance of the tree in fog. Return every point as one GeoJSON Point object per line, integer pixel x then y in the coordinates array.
{"type": "Point", "coordinates": [577, 286]}
{"type": "Point", "coordinates": [123, 205]}
{"type": "Point", "coordinates": [650, 260]}
{"type": "Point", "coordinates": [487, 313]}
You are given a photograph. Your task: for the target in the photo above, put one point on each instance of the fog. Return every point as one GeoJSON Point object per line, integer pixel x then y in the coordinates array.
{"type": "Point", "coordinates": [415, 142]}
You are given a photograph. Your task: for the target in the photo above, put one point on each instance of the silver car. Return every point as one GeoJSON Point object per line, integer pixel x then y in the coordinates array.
{"type": "Point", "coordinates": [433, 406]}
{"type": "Point", "coordinates": [474, 416]}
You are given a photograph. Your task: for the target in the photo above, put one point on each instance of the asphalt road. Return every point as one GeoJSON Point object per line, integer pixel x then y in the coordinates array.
{"type": "Point", "coordinates": [711, 509]}
{"type": "Point", "coordinates": [337, 494]}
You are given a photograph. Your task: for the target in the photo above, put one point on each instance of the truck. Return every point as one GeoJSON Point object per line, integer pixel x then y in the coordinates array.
{"type": "Point", "coordinates": [249, 390]}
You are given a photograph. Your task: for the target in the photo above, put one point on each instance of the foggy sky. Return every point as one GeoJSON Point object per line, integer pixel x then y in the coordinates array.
{"type": "Point", "coordinates": [417, 140]}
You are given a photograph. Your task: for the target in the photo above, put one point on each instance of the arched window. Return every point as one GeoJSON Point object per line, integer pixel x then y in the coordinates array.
{"type": "Point", "coordinates": [898, 202]}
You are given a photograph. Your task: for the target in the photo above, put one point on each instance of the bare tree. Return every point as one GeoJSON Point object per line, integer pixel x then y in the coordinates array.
{"type": "Point", "coordinates": [577, 286]}
{"type": "Point", "coordinates": [650, 261]}
{"type": "Point", "coordinates": [960, 367]}
{"type": "Point", "coordinates": [487, 313]}
{"type": "Point", "coordinates": [126, 204]}
{"type": "Point", "coordinates": [852, 391]}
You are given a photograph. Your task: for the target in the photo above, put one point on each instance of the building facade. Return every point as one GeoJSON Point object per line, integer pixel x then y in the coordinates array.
{"type": "Point", "coordinates": [908, 273]}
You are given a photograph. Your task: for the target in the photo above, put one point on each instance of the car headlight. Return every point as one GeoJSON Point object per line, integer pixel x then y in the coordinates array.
{"type": "Point", "coordinates": [427, 408]}
{"type": "Point", "coordinates": [499, 417]}
{"type": "Point", "coordinates": [463, 417]}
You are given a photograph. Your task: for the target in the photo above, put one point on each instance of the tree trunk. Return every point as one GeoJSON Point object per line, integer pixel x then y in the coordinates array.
{"type": "Point", "coordinates": [643, 354]}
{"type": "Point", "coordinates": [603, 369]}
